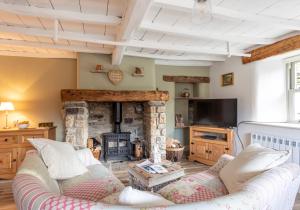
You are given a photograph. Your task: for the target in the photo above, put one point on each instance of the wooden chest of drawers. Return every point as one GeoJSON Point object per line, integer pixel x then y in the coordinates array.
{"type": "Point", "coordinates": [13, 147]}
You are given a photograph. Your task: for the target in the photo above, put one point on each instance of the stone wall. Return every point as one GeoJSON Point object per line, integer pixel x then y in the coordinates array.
{"type": "Point", "coordinates": [146, 121]}
{"type": "Point", "coordinates": [155, 127]}
{"type": "Point", "coordinates": [100, 119]}
{"type": "Point", "coordinates": [76, 123]}
{"type": "Point", "coordinates": [133, 120]}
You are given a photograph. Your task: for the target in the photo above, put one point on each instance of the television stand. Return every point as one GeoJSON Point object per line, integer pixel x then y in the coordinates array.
{"type": "Point", "coordinates": [207, 144]}
{"type": "Point", "coordinates": [210, 137]}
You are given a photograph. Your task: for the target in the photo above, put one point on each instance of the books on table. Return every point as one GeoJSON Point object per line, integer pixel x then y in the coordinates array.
{"type": "Point", "coordinates": [152, 168]}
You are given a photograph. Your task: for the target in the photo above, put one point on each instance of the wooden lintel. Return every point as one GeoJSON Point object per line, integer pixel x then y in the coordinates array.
{"type": "Point", "coordinates": [113, 96]}
{"type": "Point", "coordinates": [186, 79]}
{"type": "Point", "coordinates": [280, 47]}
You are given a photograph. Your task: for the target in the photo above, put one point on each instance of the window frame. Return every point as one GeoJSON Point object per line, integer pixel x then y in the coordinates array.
{"type": "Point", "coordinates": [291, 91]}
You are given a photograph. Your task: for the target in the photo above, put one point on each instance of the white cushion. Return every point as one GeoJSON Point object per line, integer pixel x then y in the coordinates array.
{"type": "Point", "coordinates": [60, 158]}
{"type": "Point", "coordinates": [86, 157]}
{"type": "Point", "coordinates": [39, 143]}
{"type": "Point", "coordinates": [252, 161]}
{"type": "Point", "coordinates": [137, 198]}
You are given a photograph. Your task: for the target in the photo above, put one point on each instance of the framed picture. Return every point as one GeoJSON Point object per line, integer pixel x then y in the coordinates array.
{"type": "Point", "coordinates": [227, 79]}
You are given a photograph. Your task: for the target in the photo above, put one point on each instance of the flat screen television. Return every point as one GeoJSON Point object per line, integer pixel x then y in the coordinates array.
{"type": "Point", "coordinates": [213, 112]}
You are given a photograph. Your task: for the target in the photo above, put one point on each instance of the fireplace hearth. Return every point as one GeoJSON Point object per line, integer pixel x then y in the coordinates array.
{"type": "Point", "coordinates": [115, 119]}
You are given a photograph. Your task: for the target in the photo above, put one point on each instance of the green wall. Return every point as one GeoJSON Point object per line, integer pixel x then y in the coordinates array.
{"type": "Point", "coordinates": [203, 91]}
{"type": "Point", "coordinates": [88, 80]}
{"type": "Point", "coordinates": [151, 80]}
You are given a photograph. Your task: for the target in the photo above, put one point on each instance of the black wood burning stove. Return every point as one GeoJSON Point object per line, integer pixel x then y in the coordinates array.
{"type": "Point", "coordinates": [116, 145]}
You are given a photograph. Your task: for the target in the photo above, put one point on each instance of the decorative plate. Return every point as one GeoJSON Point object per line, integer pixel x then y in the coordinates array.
{"type": "Point", "coordinates": [115, 76]}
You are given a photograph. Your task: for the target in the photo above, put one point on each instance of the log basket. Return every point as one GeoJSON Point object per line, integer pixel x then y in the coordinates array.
{"type": "Point", "coordinates": [174, 154]}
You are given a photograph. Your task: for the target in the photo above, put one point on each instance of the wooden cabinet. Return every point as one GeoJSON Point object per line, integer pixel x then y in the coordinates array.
{"type": "Point", "coordinates": [198, 149]}
{"type": "Point", "coordinates": [14, 145]}
{"type": "Point", "coordinates": [207, 144]}
{"type": "Point", "coordinates": [8, 160]}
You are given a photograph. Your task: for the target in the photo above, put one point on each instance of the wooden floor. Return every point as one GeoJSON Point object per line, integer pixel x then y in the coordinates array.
{"type": "Point", "coordinates": [6, 198]}
{"type": "Point", "coordinates": [119, 169]}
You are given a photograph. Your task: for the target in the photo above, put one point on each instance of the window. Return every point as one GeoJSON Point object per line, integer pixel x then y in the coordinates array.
{"type": "Point", "coordinates": [294, 91]}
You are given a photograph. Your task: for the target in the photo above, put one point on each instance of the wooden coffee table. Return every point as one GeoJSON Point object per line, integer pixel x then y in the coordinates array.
{"type": "Point", "coordinates": [142, 180]}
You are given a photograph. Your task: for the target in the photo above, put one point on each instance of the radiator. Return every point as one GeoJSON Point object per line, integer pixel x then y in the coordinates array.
{"type": "Point", "coordinates": [279, 143]}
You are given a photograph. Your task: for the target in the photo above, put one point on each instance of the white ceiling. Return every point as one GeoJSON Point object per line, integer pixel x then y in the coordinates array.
{"type": "Point", "coordinates": [159, 29]}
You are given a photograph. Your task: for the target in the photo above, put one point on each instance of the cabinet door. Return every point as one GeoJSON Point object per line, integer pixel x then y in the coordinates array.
{"type": "Point", "coordinates": [8, 161]}
{"type": "Point", "coordinates": [200, 150]}
{"type": "Point", "coordinates": [215, 151]}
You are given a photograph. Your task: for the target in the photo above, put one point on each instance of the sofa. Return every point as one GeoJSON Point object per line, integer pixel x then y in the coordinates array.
{"type": "Point", "coordinates": [33, 188]}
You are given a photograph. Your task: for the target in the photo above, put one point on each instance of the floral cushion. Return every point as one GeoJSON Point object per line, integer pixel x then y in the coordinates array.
{"type": "Point", "coordinates": [94, 190]}
{"type": "Point", "coordinates": [198, 187]}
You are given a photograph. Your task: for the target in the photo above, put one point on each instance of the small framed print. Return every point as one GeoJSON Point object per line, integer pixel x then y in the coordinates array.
{"type": "Point", "coordinates": [227, 79]}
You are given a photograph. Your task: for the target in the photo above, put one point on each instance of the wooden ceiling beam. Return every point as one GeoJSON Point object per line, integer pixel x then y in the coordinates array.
{"type": "Point", "coordinates": [183, 63]}
{"type": "Point", "coordinates": [38, 54]}
{"type": "Point", "coordinates": [136, 10]}
{"type": "Point", "coordinates": [184, 32]}
{"type": "Point", "coordinates": [177, 58]}
{"type": "Point", "coordinates": [60, 34]}
{"type": "Point", "coordinates": [221, 12]}
{"type": "Point", "coordinates": [185, 48]}
{"type": "Point", "coordinates": [60, 14]}
{"type": "Point", "coordinates": [278, 48]}
{"type": "Point", "coordinates": [107, 40]}
{"type": "Point", "coordinates": [56, 46]}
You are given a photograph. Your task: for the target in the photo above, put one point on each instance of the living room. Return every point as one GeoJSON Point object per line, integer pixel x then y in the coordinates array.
{"type": "Point", "coordinates": [187, 85]}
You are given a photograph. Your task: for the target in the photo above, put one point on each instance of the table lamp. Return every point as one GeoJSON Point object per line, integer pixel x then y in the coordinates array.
{"type": "Point", "coordinates": [6, 106]}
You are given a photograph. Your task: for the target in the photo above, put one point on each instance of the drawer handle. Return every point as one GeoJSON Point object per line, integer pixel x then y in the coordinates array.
{"type": "Point", "coordinates": [206, 151]}
{"type": "Point", "coordinates": [192, 153]}
{"type": "Point", "coordinates": [226, 148]}
{"type": "Point", "coordinates": [209, 152]}
{"type": "Point", "coordinates": [14, 160]}
{"type": "Point", "coordinates": [192, 143]}
{"type": "Point", "coordinates": [6, 140]}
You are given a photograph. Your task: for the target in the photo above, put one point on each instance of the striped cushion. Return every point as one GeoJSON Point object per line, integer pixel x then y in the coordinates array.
{"type": "Point", "coordinates": [30, 194]}
{"type": "Point", "coordinates": [63, 202]}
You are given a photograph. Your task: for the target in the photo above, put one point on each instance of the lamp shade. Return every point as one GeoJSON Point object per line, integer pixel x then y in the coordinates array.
{"type": "Point", "coordinates": [7, 106]}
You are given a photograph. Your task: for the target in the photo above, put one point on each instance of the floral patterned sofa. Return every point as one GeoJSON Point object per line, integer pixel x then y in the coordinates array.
{"type": "Point", "coordinates": [33, 189]}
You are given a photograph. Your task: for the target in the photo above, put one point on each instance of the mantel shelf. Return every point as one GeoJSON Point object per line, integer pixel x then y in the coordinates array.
{"type": "Point", "coordinates": [186, 79]}
{"type": "Point", "coordinates": [113, 96]}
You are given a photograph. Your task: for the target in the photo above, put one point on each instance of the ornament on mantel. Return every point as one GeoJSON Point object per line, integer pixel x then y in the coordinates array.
{"type": "Point", "coordinates": [138, 72]}
{"type": "Point", "coordinates": [115, 76]}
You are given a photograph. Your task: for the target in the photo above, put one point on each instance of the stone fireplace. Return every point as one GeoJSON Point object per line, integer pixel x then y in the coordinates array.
{"type": "Point", "coordinates": [89, 114]}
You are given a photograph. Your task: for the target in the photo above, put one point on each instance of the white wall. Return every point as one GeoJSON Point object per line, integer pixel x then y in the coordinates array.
{"type": "Point", "coordinates": [269, 91]}
{"type": "Point", "coordinates": [260, 88]}
{"type": "Point", "coordinates": [241, 88]}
